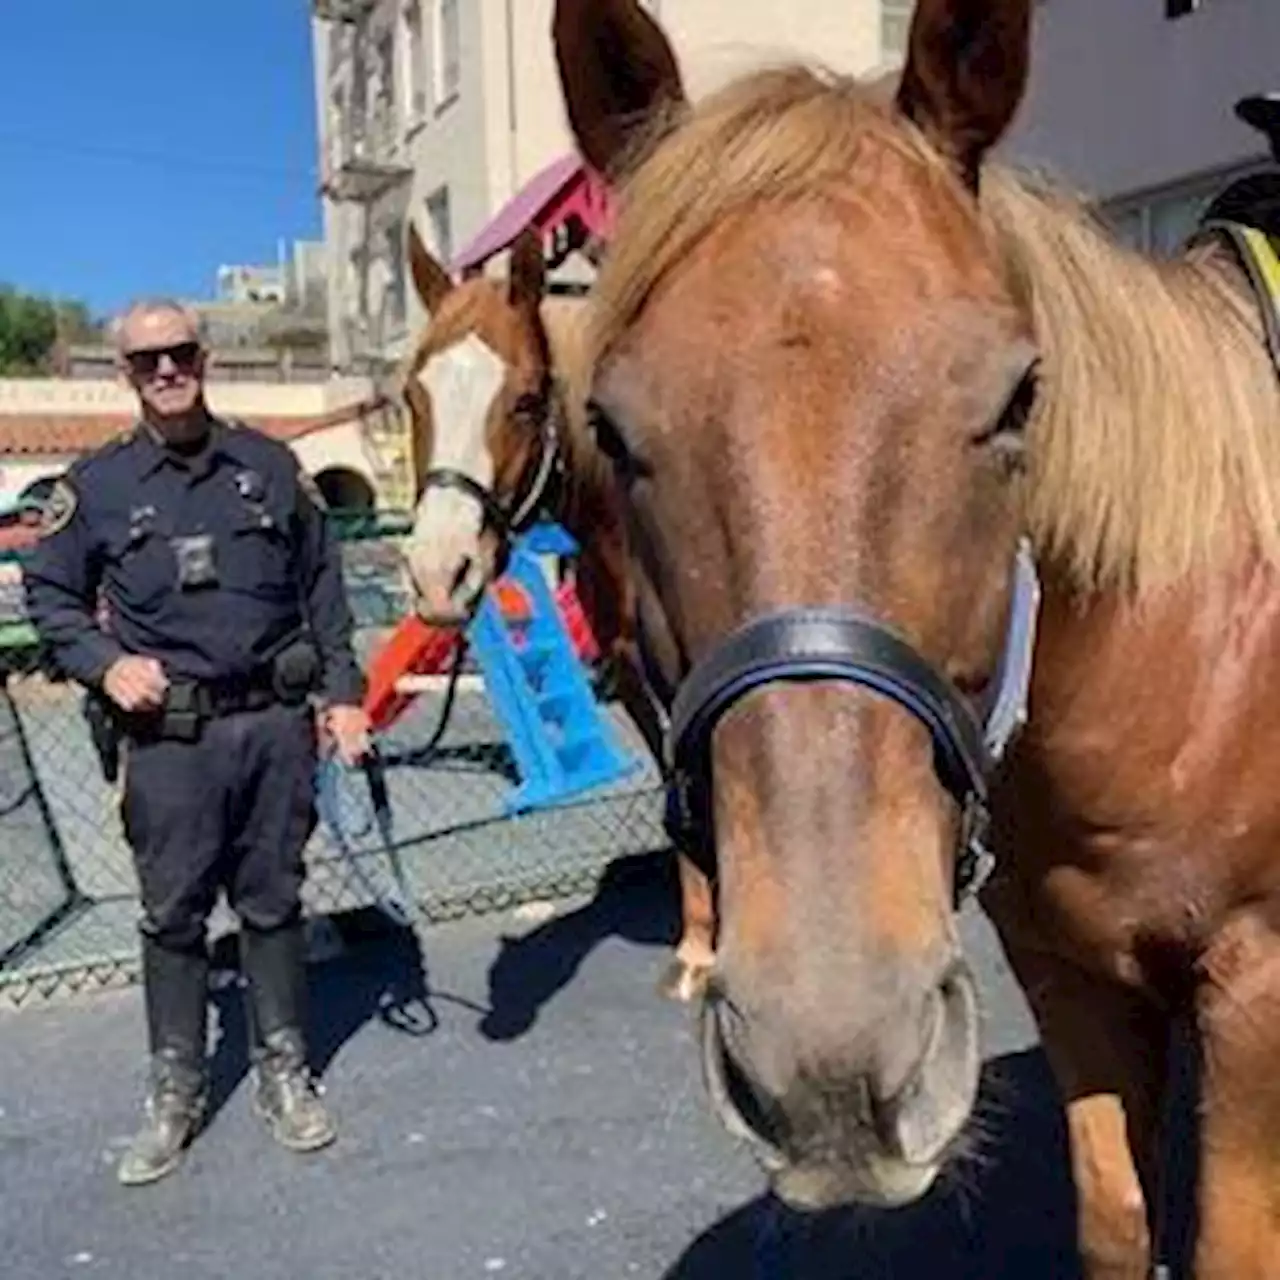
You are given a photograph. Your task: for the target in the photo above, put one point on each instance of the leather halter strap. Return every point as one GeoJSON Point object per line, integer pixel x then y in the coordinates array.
{"type": "Point", "coordinates": [843, 644]}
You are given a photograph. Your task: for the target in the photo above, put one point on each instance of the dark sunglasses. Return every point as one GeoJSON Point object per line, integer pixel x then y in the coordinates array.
{"type": "Point", "coordinates": [184, 356]}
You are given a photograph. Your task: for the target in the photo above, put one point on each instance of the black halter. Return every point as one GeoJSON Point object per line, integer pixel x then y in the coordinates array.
{"type": "Point", "coordinates": [515, 517]}
{"type": "Point", "coordinates": [798, 645]}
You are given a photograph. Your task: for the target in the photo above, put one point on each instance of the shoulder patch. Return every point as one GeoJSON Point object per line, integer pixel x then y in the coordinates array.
{"type": "Point", "coordinates": [307, 483]}
{"type": "Point", "coordinates": [59, 507]}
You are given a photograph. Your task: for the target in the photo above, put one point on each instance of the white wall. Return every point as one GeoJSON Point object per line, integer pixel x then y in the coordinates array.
{"type": "Point", "coordinates": [234, 399]}
{"type": "Point", "coordinates": [507, 121]}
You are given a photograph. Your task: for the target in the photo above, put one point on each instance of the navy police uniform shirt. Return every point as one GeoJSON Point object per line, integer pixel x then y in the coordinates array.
{"type": "Point", "coordinates": [237, 522]}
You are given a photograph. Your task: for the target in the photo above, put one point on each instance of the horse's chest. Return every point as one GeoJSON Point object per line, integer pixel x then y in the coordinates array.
{"type": "Point", "coordinates": [1140, 903]}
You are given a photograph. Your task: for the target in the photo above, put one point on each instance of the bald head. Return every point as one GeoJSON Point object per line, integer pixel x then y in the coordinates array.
{"type": "Point", "coordinates": [154, 322]}
{"type": "Point", "coordinates": [161, 356]}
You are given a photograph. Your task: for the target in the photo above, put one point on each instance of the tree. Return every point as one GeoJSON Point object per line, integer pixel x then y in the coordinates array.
{"type": "Point", "coordinates": [75, 325]}
{"type": "Point", "coordinates": [31, 327]}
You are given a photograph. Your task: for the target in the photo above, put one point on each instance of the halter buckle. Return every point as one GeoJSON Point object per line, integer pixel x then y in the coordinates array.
{"type": "Point", "coordinates": [975, 861]}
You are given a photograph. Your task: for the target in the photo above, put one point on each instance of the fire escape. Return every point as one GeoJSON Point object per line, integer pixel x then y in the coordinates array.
{"type": "Point", "coordinates": [363, 162]}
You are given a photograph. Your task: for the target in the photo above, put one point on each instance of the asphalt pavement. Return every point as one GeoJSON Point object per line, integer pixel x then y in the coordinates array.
{"type": "Point", "coordinates": [515, 1101]}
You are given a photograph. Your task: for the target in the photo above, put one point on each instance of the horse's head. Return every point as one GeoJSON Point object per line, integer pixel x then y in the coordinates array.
{"type": "Point", "coordinates": [811, 371]}
{"type": "Point", "coordinates": [478, 387]}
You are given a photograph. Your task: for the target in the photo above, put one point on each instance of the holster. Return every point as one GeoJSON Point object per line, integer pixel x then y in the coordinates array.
{"type": "Point", "coordinates": [104, 732]}
{"type": "Point", "coordinates": [295, 671]}
{"type": "Point", "coordinates": [288, 677]}
{"type": "Point", "coordinates": [183, 714]}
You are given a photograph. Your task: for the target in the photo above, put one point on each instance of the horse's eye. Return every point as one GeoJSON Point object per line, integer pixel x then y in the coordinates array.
{"type": "Point", "coordinates": [1006, 436]}
{"type": "Point", "coordinates": [608, 438]}
{"type": "Point", "coordinates": [611, 442]}
{"type": "Point", "coordinates": [1013, 417]}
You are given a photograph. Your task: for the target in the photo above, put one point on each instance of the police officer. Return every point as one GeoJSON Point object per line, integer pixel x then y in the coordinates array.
{"type": "Point", "coordinates": [1261, 111]}
{"type": "Point", "coordinates": [225, 609]}
{"type": "Point", "coordinates": [1253, 200]}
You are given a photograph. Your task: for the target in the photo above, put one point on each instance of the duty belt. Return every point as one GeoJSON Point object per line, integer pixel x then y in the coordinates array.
{"type": "Point", "coordinates": [190, 703]}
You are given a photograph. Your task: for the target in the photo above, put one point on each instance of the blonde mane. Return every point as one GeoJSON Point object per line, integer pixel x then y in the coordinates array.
{"type": "Point", "coordinates": [1156, 437]}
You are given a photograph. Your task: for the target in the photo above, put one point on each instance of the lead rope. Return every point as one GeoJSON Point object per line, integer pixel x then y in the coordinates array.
{"type": "Point", "coordinates": [349, 818]}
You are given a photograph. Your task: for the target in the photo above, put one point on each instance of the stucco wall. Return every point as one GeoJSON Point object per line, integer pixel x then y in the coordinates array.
{"type": "Point", "coordinates": [233, 399]}
{"type": "Point", "coordinates": [342, 445]}
{"type": "Point", "coordinates": [1123, 100]}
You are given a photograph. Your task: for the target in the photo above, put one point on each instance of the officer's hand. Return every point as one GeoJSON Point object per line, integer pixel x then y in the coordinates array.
{"type": "Point", "coordinates": [134, 683]}
{"type": "Point", "coordinates": [349, 727]}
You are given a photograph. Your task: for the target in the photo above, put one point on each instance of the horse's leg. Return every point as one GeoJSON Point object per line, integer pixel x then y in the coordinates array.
{"type": "Point", "coordinates": [1108, 1049]}
{"type": "Point", "coordinates": [1239, 1176]}
{"type": "Point", "coordinates": [685, 978]}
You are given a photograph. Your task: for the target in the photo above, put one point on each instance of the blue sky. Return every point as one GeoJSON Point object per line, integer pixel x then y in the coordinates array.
{"type": "Point", "coordinates": [145, 142]}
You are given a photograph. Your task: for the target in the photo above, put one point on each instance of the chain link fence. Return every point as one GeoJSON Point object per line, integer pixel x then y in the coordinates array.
{"type": "Point", "coordinates": [68, 895]}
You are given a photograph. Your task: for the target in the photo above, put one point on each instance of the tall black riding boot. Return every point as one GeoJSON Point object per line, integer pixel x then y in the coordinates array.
{"type": "Point", "coordinates": [284, 1093]}
{"type": "Point", "coordinates": [176, 984]}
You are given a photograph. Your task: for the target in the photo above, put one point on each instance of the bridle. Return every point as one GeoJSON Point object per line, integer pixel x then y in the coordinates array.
{"type": "Point", "coordinates": [845, 644]}
{"type": "Point", "coordinates": [838, 643]}
{"type": "Point", "coordinates": [507, 520]}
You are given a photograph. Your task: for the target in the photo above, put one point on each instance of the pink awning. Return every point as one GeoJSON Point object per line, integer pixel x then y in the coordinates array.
{"type": "Point", "coordinates": [563, 189]}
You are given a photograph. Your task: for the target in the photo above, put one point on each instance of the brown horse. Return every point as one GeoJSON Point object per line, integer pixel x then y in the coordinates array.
{"type": "Point", "coordinates": [489, 390]}
{"type": "Point", "coordinates": [841, 359]}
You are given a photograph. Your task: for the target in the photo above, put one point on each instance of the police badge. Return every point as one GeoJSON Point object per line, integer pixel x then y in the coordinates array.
{"type": "Point", "coordinates": [197, 566]}
{"type": "Point", "coordinates": [59, 507]}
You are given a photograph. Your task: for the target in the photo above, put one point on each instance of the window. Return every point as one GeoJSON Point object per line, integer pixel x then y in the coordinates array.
{"type": "Point", "coordinates": [1130, 228]}
{"type": "Point", "coordinates": [384, 53]}
{"type": "Point", "coordinates": [338, 126]}
{"type": "Point", "coordinates": [440, 221]}
{"type": "Point", "coordinates": [415, 60]}
{"type": "Point", "coordinates": [1172, 220]}
{"type": "Point", "coordinates": [448, 59]}
{"type": "Point", "coordinates": [1180, 8]}
{"type": "Point", "coordinates": [1161, 223]}
{"type": "Point", "coordinates": [394, 295]}
{"type": "Point", "coordinates": [895, 26]}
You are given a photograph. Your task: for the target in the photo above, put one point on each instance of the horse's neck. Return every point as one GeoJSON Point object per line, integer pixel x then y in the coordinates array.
{"type": "Point", "coordinates": [588, 504]}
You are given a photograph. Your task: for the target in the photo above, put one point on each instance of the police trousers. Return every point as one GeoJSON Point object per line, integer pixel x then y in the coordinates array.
{"type": "Point", "coordinates": [232, 811]}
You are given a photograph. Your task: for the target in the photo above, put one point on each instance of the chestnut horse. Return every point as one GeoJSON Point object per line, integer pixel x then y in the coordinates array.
{"type": "Point", "coordinates": [843, 364]}
{"type": "Point", "coordinates": [487, 386]}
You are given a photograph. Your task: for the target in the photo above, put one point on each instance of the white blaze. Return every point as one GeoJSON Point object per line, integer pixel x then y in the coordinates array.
{"type": "Point", "coordinates": [463, 382]}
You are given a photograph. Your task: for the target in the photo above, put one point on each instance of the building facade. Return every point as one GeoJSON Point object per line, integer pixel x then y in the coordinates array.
{"type": "Point", "coordinates": [439, 111]}
{"type": "Point", "coordinates": [1131, 102]}
{"type": "Point", "coordinates": [296, 279]}
{"type": "Point", "coordinates": [265, 323]}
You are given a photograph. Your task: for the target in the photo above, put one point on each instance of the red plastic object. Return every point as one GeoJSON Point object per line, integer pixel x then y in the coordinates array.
{"type": "Point", "coordinates": [414, 648]}
{"type": "Point", "coordinates": [512, 600]}
{"type": "Point", "coordinates": [575, 621]}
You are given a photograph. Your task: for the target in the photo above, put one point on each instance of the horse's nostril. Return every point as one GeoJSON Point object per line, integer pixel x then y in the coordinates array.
{"type": "Point", "coordinates": [460, 576]}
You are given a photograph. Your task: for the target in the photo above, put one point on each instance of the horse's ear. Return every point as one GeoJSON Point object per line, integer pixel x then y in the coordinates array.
{"type": "Point", "coordinates": [430, 280]}
{"type": "Point", "coordinates": [965, 74]}
{"type": "Point", "coordinates": [616, 69]}
{"type": "Point", "coordinates": [528, 275]}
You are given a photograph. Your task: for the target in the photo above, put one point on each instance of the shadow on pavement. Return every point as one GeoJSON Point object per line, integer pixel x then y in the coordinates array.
{"type": "Point", "coordinates": [1008, 1215]}
{"type": "Point", "coordinates": [637, 900]}
{"type": "Point", "coordinates": [383, 976]}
